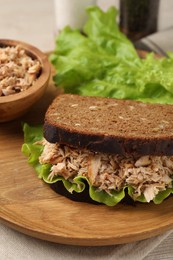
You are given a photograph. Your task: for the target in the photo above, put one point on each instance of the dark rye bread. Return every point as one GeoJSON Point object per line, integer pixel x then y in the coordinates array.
{"type": "Point", "coordinates": [110, 125]}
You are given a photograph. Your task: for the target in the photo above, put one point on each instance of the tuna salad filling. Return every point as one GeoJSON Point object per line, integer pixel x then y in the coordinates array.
{"type": "Point", "coordinates": [147, 175]}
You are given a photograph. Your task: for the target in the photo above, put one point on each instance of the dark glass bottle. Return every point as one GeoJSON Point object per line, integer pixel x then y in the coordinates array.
{"type": "Point", "coordinates": [138, 18]}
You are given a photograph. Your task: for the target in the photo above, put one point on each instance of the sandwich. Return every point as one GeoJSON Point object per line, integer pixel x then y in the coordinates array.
{"type": "Point", "coordinates": [110, 148]}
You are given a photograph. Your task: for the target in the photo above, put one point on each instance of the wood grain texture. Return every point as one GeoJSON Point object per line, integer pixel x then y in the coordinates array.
{"type": "Point", "coordinates": [14, 106]}
{"type": "Point", "coordinates": [30, 206]}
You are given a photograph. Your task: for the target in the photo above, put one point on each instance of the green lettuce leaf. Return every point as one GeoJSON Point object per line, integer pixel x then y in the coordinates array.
{"type": "Point", "coordinates": [102, 61]}
{"type": "Point", "coordinates": [159, 198]}
{"type": "Point", "coordinates": [33, 151]}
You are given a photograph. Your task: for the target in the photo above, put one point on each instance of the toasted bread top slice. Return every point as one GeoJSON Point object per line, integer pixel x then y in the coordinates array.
{"type": "Point", "coordinates": [110, 125]}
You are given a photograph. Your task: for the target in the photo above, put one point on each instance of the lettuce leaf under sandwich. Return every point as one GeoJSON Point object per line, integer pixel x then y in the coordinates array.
{"type": "Point", "coordinates": [33, 149]}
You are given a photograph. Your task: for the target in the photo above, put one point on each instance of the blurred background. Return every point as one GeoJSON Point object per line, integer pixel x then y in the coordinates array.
{"type": "Point", "coordinates": [34, 21]}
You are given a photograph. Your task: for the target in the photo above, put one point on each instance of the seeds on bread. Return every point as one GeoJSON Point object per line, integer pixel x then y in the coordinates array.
{"type": "Point", "coordinates": [110, 126]}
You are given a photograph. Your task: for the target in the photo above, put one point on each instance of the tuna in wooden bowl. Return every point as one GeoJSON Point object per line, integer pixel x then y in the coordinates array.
{"type": "Point", "coordinates": [24, 76]}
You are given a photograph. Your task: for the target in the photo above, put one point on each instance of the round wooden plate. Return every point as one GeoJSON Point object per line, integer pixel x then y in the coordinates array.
{"type": "Point", "coordinates": [30, 206]}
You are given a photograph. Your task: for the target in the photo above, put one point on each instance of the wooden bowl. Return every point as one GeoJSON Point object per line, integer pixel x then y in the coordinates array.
{"type": "Point", "coordinates": [15, 105]}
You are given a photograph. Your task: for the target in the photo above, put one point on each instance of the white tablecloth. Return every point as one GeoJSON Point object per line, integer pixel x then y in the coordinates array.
{"type": "Point", "coordinates": [14, 245]}
{"type": "Point", "coordinates": [32, 21]}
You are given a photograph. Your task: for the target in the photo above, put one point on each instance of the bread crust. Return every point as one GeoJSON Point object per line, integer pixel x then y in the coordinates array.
{"type": "Point", "coordinates": [106, 142]}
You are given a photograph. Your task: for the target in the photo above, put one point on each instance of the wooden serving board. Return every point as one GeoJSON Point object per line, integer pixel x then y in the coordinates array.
{"type": "Point", "coordinates": [30, 206]}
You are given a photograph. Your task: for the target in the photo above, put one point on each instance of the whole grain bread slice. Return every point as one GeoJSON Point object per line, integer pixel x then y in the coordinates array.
{"type": "Point", "coordinates": [110, 126]}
